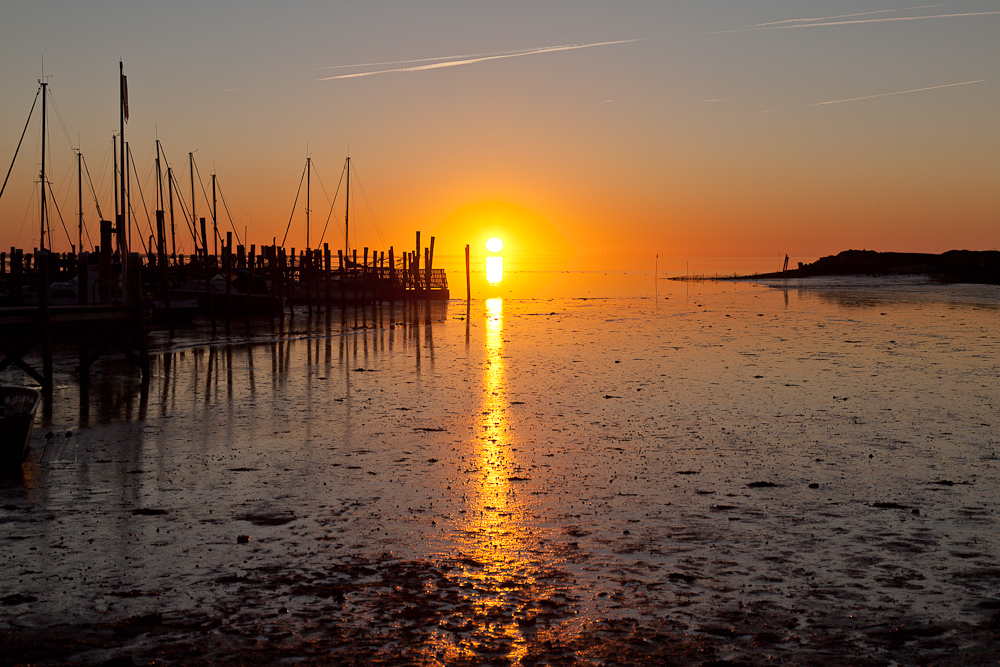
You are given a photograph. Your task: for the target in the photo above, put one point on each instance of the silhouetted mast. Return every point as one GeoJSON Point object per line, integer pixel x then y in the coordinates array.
{"type": "Point", "coordinates": [308, 176]}
{"type": "Point", "coordinates": [41, 242]}
{"type": "Point", "coordinates": [347, 212]}
{"type": "Point", "coordinates": [170, 189]}
{"type": "Point", "coordinates": [194, 218]}
{"type": "Point", "coordinates": [123, 216]}
{"type": "Point", "coordinates": [79, 203]}
{"type": "Point", "coordinates": [215, 222]}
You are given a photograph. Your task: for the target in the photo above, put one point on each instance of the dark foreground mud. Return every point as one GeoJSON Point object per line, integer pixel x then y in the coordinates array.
{"type": "Point", "coordinates": [391, 612]}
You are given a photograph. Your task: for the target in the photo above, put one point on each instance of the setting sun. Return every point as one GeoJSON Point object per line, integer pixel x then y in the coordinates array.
{"type": "Point", "coordinates": [494, 245]}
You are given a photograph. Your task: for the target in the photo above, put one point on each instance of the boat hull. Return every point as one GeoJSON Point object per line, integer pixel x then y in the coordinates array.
{"type": "Point", "coordinates": [19, 407]}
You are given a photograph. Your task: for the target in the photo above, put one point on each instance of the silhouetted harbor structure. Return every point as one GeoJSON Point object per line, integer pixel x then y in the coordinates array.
{"type": "Point", "coordinates": [87, 297]}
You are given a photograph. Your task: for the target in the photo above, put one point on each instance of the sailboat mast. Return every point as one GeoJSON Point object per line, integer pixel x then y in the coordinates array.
{"type": "Point", "coordinates": [215, 220]}
{"type": "Point", "coordinates": [42, 212]}
{"type": "Point", "coordinates": [161, 232]}
{"type": "Point", "coordinates": [308, 177]}
{"type": "Point", "coordinates": [173, 236]}
{"type": "Point", "coordinates": [159, 179]}
{"type": "Point", "coordinates": [347, 212]}
{"type": "Point", "coordinates": [123, 217]}
{"type": "Point", "coordinates": [194, 218]}
{"type": "Point", "coordinates": [79, 202]}
{"type": "Point", "coordinates": [123, 105]}
{"type": "Point", "coordinates": [114, 158]}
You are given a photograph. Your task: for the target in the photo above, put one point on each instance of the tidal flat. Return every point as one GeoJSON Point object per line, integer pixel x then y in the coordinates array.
{"type": "Point", "coordinates": [714, 473]}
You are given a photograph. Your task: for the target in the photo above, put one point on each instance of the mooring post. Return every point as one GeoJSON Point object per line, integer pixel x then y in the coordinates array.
{"type": "Point", "coordinates": [326, 276]}
{"type": "Point", "coordinates": [227, 265]}
{"type": "Point", "coordinates": [251, 270]}
{"type": "Point", "coordinates": [468, 278]}
{"type": "Point", "coordinates": [134, 289]}
{"type": "Point", "coordinates": [104, 273]}
{"type": "Point", "coordinates": [42, 268]}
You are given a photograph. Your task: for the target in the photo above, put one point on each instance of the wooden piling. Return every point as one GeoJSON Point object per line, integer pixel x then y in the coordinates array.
{"type": "Point", "coordinates": [227, 264]}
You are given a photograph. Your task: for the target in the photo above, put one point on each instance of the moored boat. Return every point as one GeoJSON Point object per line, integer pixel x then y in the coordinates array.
{"type": "Point", "coordinates": [17, 414]}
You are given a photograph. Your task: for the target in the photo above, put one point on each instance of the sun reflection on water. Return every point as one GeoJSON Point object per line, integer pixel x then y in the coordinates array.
{"type": "Point", "coordinates": [500, 581]}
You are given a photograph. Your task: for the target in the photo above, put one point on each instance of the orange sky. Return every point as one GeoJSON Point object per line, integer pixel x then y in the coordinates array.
{"type": "Point", "coordinates": [710, 130]}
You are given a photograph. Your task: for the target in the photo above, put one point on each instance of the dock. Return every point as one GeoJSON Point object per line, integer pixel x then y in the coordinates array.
{"type": "Point", "coordinates": [88, 298]}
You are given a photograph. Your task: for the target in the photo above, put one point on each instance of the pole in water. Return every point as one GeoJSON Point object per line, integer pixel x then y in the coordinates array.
{"type": "Point", "coordinates": [468, 279]}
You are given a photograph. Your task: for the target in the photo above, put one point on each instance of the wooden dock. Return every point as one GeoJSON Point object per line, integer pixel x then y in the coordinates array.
{"type": "Point", "coordinates": [90, 299]}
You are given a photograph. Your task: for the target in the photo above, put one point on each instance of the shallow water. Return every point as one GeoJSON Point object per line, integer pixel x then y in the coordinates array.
{"type": "Point", "coordinates": [699, 471]}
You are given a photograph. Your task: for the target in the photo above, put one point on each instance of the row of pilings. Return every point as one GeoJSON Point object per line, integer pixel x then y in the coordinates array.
{"type": "Point", "coordinates": [107, 305]}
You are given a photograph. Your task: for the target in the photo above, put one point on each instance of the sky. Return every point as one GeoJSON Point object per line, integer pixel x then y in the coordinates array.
{"type": "Point", "coordinates": [570, 129]}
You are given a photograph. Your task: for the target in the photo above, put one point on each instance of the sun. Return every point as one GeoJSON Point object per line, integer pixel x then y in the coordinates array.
{"type": "Point", "coordinates": [494, 245]}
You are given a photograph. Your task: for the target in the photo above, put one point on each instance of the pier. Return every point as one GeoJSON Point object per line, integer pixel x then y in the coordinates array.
{"type": "Point", "coordinates": [48, 298]}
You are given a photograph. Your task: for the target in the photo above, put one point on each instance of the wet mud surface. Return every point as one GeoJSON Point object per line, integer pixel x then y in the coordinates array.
{"type": "Point", "coordinates": [730, 475]}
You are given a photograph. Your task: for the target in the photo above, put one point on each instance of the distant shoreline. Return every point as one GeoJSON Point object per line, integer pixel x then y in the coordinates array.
{"type": "Point", "coordinates": [954, 266]}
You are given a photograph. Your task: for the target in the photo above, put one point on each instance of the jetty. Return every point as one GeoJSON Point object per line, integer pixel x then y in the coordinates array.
{"type": "Point", "coordinates": [107, 306]}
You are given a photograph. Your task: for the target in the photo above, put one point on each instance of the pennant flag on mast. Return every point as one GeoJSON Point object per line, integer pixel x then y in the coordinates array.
{"type": "Point", "coordinates": [125, 97]}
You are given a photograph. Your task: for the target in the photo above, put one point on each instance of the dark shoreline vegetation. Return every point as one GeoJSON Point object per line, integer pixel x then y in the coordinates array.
{"type": "Point", "coordinates": [954, 266]}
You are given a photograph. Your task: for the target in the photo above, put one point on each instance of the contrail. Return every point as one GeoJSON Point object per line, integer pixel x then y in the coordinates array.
{"type": "Point", "coordinates": [471, 60]}
{"type": "Point", "coordinates": [427, 60]}
{"type": "Point", "coordinates": [898, 92]}
{"type": "Point", "coordinates": [882, 20]}
{"type": "Point", "coordinates": [824, 22]}
{"type": "Point", "coordinates": [842, 16]}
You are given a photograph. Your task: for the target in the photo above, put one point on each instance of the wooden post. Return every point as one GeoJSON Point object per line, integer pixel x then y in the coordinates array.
{"type": "Point", "coordinates": [354, 270]}
{"type": "Point", "coordinates": [340, 269]}
{"type": "Point", "coordinates": [227, 265]}
{"type": "Point", "coordinates": [326, 276]}
{"type": "Point", "coordinates": [430, 263]}
{"type": "Point", "coordinates": [416, 264]}
{"type": "Point", "coordinates": [269, 256]}
{"type": "Point", "coordinates": [365, 277]}
{"type": "Point", "coordinates": [137, 339]}
{"type": "Point", "coordinates": [251, 267]}
{"type": "Point", "coordinates": [468, 278]}
{"type": "Point", "coordinates": [105, 271]}
{"type": "Point", "coordinates": [42, 268]}
{"type": "Point", "coordinates": [392, 276]}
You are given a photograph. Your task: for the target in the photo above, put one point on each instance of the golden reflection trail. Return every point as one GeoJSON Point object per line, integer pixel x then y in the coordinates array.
{"type": "Point", "coordinates": [493, 537]}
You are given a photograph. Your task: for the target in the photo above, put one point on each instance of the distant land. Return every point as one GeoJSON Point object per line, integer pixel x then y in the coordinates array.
{"type": "Point", "coordinates": [956, 266]}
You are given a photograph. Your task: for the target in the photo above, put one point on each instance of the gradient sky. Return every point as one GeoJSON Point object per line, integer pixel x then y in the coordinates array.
{"type": "Point", "coordinates": [710, 128]}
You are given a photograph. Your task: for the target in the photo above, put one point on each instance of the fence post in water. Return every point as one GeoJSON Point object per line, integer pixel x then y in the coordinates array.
{"type": "Point", "coordinates": [227, 265]}
{"type": "Point", "coordinates": [326, 276]}
{"type": "Point", "coordinates": [365, 280]}
{"type": "Point", "coordinates": [430, 263]}
{"type": "Point", "coordinates": [251, 266]}
{"type": "Point", "coordinates": [416, 264]}
{"type": "Point", "coordinates": [392, 276]}
{"type": "Point", "coordinates": [42, 268]}
{"type": "Point", "coordinates": [468, 278]}
{"type": "Point", "coordinates": [105, 270]}
{"type": "Point", "coordinates": [204, 242]}
{"type": "Point", "coordinates": [137, 339]}
{"type": "Point", "coordinates": [356, 277]}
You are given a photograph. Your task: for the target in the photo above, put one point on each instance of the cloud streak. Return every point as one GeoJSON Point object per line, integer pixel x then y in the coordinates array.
{"type": "Point", "coordinates": [898, 92]}
{"type": "Point", "coordinates": [841, 16]}
{"type": "Point", "coordinates": [456, 61]}
{"type": "Point", "coordinates": [828, 21]}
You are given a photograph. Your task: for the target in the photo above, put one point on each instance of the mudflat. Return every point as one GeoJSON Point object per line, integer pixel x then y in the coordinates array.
{"type": "Point", "coordinates": [725, 474]}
